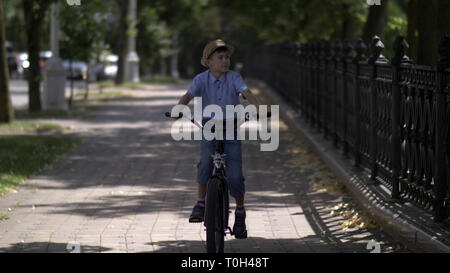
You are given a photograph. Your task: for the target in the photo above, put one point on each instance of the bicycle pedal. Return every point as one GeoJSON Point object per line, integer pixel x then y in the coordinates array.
{"type": "Point", "coordinates": [241, 236]}
{"type": "Point", "coordinates": [195, 220]}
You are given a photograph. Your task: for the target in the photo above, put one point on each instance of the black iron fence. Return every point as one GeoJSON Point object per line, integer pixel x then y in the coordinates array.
{"type": "Point", "coordinates": [390, 117]}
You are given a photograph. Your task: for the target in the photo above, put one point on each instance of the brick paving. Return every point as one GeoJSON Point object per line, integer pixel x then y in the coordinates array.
{"type": "Point", "coordinates": [129, 187]}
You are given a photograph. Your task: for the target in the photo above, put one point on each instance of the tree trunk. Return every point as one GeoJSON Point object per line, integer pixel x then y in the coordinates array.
{"type": "Point", "coordinates": [6, 108]}
{"type": "Point", "coordinates": [428, 32]}
{"type": "Point", "coordinates": [376, 21]}
{"type": "Point", "coordinates": [443, 18]}
{"type": "Point", "coordinates": [413, 29]}
{"type": "Point", "coordinates": [121, 42]}
{"type": "Point", "coordinates": [34, 12]}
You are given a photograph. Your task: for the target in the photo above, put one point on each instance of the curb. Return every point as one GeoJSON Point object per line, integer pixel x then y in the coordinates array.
{"type": "Point", "coordinates": [375, 200]}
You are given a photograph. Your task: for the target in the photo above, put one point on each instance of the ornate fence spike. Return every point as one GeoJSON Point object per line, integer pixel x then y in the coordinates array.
{"type": "Point", "coordinates": [337, 49]}
{"type": "Point", "coordinates": [400, 46]}
{"type": "Point", "coordinates": [326, 48]}
{"type": "Point", "coordinates": [360, 48]}
{"type": "Point", "coordinates": [316, 49]}
{"type": "Point", "coordinates": [375, 50]}
{"type": "Point", "coordinates": [347, 49]}
{"type": "Point", "coordinates": [322, 49]}
{"type": "Point", "coordinates": [444, 52]}
{"type": "Point", "coordinates": [306, 49]}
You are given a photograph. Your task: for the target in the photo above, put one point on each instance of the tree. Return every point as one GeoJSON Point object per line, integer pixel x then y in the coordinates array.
{"type": "Point", "coordinates": [413, 30]}
{"type": "Point", "coordinates": [34, 13]}
{"type": "Point", "coordinates": [376, 21]}
{"type": "Point", "coordinates": [425, 31]}
{"type": "Point", "coordinates": [82, 31]}
{"type": "Point", "coordinates": [6, 108]}
{"type": "Point", "coordinates": [121, 39]}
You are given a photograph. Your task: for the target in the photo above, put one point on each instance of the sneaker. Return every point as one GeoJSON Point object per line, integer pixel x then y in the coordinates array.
{"type": "Point", "coordinates": [239, 228]}
{"type": "Point", "coordinates": [198, 214]}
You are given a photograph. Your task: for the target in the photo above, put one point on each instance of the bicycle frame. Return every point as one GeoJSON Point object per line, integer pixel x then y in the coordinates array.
{"type": "Point", "coordinates": [219, 173]}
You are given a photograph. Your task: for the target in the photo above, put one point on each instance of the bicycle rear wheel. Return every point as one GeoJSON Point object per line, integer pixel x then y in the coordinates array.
{"type": "Point", "coordinates": [214, 216]}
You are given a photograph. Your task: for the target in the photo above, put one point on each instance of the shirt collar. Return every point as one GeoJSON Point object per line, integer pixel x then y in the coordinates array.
{"type": "Point", "coordinates": [213, 79]}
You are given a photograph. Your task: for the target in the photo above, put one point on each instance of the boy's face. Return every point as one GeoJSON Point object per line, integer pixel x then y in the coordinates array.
{"type": "Point", "coordinates": [219, 61]}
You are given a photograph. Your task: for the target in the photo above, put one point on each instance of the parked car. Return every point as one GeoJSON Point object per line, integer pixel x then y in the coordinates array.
{"type": "Point", "coordinates": [78, 72]}
{"type": "Point", "coordinates": [107, 69]}
{"type": "Point", "coordinates": [23, 64]}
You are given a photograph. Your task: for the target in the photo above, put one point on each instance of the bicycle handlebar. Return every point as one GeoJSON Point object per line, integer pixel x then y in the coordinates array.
{"type": "Point", "coordinates": [180, 115]}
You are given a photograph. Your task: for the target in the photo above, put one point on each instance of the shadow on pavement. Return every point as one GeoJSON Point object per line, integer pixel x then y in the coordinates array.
{"type": "Point", "coordinates": [129, 144]}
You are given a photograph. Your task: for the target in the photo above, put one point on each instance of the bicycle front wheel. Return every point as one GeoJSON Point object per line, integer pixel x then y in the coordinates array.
{"type": "Point", "coordinates": [214, 216]}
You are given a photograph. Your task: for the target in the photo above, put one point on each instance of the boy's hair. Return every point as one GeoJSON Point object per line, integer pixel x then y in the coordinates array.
{"type": "Point", "coordinates": [219, 50]}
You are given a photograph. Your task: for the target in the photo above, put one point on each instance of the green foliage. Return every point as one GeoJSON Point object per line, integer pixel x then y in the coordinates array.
{"type": "Point", "coordinates": [82, 30]}
{"type": "Point", "coordinates": [298, 20]}
{"type": "Point", "coordinates": [91, 28]}
{"type": "Point", "coordinates": [397, 24]}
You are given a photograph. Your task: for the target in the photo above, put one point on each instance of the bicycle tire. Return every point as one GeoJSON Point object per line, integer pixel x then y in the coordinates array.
{"type": "Point", "coordinates": [214, 220]}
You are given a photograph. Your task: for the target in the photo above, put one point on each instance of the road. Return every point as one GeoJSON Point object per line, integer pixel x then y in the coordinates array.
{"type": "Point", "coordinates": [19, 91]}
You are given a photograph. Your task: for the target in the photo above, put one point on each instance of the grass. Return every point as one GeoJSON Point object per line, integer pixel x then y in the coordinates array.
{"type": "Point", "coordinates": [60, 114]}
{"type": "Point", "coordinates": [21, 156]}
{"type": "Point", "coordinates": [28, 126]}
{"type": "Point", "coordinates": [157, 79]}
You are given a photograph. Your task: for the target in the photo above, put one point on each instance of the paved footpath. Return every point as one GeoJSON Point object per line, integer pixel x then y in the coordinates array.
{"type": "Point", "coordinates": [130, 188]}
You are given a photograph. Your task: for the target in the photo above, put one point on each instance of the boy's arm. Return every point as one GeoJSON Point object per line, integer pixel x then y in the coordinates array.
{"type": "Point", "coordinates": [251, 98]}
{"type": "Point", "coordinates": [185, 99]}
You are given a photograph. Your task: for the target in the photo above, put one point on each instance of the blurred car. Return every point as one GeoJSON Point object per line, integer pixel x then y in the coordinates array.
{"type": "Point", "coordinates": [107, 69]}
{"type": "Point", "coordinates": [78, 72]}
{"type": "Point", "coordinates": [23, 64]}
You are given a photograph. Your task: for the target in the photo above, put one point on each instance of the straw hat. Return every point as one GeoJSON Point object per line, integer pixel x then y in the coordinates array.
{"type": "Point", "coordinates": [211, 46]}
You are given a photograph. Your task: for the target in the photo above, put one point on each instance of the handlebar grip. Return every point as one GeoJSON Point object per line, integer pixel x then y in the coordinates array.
{"type": "Point", "coordinates": [169, 115]}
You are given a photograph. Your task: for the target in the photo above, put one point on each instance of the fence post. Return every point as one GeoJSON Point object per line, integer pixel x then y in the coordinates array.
{"type": "Point", "coordinates": [301, 61]}
{"type": "Point", "coordinates": [360, 48]}
{"type": "Point", "coordinates": [376, 47]}
{"type": "Point", "coordinates": [320, 84]}
{"type": "Point", "coordinates": [440, 174]}
{"type": "Point", "coordinates": [346, 57]}
{"type": "Point", "coordinates": [307, 89]}
{"type": "Point", "coordinates": [336, 58]}
{"type": "Point", "coordinates": [400, 46]}
{"type": "Point", "coordinates": [326, 89]}
{"type": "Point", "coordinates": [296, 92]}
{"type": "Point", "coordinates": [314, 60]}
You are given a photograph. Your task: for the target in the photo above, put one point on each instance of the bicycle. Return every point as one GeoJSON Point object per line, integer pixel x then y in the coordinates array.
{"type": "Point", "coordinates": [217, 197]}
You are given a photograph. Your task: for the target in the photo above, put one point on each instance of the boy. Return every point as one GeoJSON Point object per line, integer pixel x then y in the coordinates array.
{"type": "Point", "coordinates": [220, 86]}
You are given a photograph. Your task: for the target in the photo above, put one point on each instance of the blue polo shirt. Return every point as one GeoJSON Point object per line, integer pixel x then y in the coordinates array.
{"type": "Point", "coordinates": [222, 91]}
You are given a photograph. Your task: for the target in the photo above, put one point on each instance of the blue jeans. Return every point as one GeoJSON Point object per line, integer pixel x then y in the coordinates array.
{"type": "Point", "coordinates": [233, 165]}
